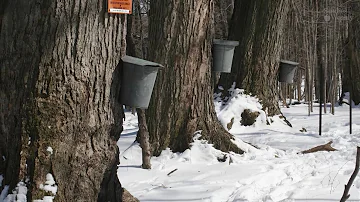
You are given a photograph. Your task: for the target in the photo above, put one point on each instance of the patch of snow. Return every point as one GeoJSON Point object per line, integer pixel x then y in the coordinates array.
{"type": "Point", "coordinates": [50, 150]}
{"type": "Point", "coordinates": [130, 128]}
{"type": "Point", "coordinates": [45, 199]}
{"type": "Point", "coordinates": [49, 185]}
{"type": "Point", "coordinates": [231, 110]}
{"type": "Point", "coordinates": [4, 193]}
{"type": "Point", "coordinates": [17, 195]}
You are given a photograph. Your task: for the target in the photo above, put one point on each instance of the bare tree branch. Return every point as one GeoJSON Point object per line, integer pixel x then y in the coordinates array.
{"type": "Point", "coordinates": [346, 194]}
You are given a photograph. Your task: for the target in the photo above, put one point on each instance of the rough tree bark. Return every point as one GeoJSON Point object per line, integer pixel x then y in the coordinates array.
{"type": "Point", "coordinates": [258, 26]}
{"type": "Point", "coordinates": [222, 15]}
{"type": "Point", "coordinates": [180, 34]}
{"type": "Point", "coordinates": [3, 3]}
{"type": "Point", "coordinates": [136, 31]}
{"type": "Point", "coordinates": [59, 88]}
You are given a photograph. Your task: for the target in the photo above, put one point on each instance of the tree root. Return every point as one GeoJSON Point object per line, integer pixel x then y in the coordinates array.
{"type": "Point", "coordinates": [127, 197]}
{"type": "Point", "coordinates": [221, 140]}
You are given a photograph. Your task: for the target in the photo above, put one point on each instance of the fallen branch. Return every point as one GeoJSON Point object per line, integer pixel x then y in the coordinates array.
{"type": "Point", "coordinates": [346, 194]}
{"type": "Point", "coordinates": [324, 147]}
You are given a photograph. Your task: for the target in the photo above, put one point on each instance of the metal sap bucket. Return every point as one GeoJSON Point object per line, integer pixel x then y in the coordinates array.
{"type": "Point", "coordinates": [223, 53]}
{"type": "Point", "coordinates": [287, 71]}
{"type": "Point", "coordinates": [138, 81]}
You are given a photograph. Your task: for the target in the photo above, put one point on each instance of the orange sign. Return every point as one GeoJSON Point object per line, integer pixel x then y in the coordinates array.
{"type": "Point", "coordinates": [120, 6]}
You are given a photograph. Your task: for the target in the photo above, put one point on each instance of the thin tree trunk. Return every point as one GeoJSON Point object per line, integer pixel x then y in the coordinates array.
{"type": "Point", "coordinates": [141, 23]}
{"type": "Point", "coordinates": [143, 133]}
{"type": "Point", "coordinates": [326, 61]}
{"type": "Point", "coordinates": [352, 77]}
{"type": "Point", "coordinates": [134, 49]}
{"type": "Point", "coordinates": [334, 69]}
{"type": "Point", "coordinates": [306, 44]}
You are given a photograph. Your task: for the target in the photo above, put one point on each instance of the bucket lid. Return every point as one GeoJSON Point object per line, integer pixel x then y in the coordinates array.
{"type": "Point", "coordinates": [140, 62]}
{"type": "Point", "coordinates": [289, 62]}
{"type": "Point", "coordinates": [225, 42]}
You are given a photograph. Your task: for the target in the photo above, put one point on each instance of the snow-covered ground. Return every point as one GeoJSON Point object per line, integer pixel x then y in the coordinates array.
{"type": "Point", "coordinates": [274, 172]}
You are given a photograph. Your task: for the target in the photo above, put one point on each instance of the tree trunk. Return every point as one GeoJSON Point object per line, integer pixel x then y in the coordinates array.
{"type": "Point", "coordinates": [135, 50]}
{"type": "Point", "coordinates": [222, 15]}
{"type": "Point", "coordinates": [321, 53]}
{"type": "Point", "coordinates": [3, 4]}
{"type": "Point", "coordinates": [143, 135]}
{"type": "Point", "coordinates": [136, 28]}
{"type": "Point", "coordinates": [59, 89]}
{"type": "Point", "coordinates": [180, 34]}
{"type": "Point", "coordinates": [352, 71]}
{"type": "Point", "coordinates": [258, 26]}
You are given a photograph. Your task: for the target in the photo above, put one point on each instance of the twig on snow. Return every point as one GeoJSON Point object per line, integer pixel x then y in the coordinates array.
{"type": "Point", "coordinates": [172, 172]}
